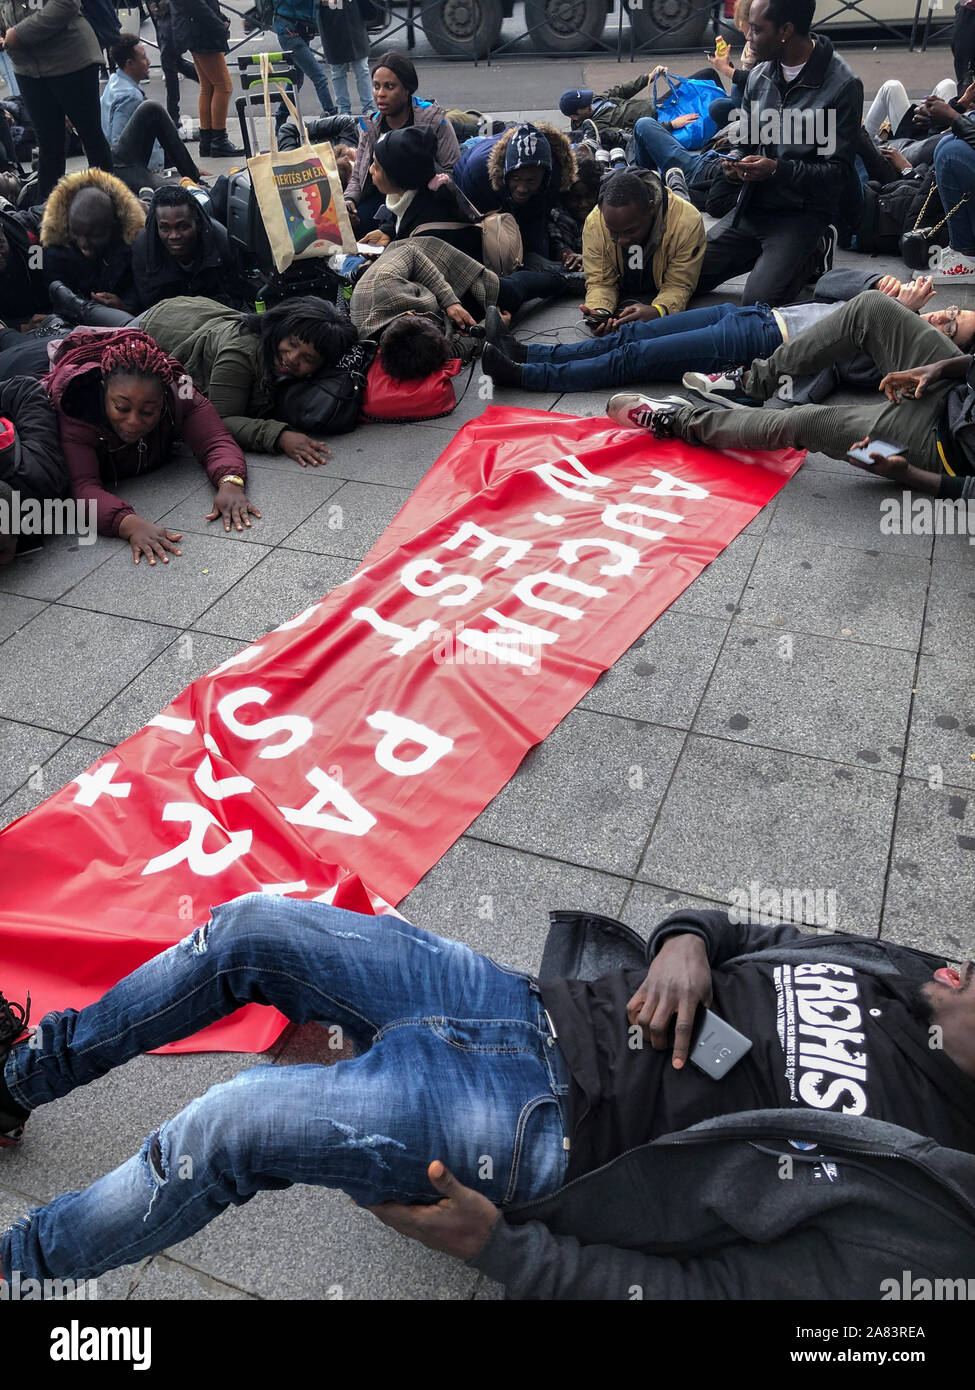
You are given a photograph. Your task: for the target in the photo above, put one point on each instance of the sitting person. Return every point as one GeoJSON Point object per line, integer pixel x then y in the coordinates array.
{"type": "Point", "coordinates": [888, 151]}
{"type": "Point", "coordinates": [568, 216]}
{"type": "Point", "coordinates": [142, 134]}
{"type": "Point", "coordinates": [23, 293]}
{"type": "Point", "coordinates": [928, 407]}
{"type": "Point", "coordinates": [642, 250]}
{"type": "Point", "coordinates": [610, 114]}
{"type": "Point", "coordinates": [90, 223]}
{"type": "Point", "coordinates": [702, 341]}
{"type": "Point", "coordinates": [620, 1171]}
{"type": "Point", "coordinates": [954, 166]}
{"type": "Point", "coordinates": [182, 250]}
{"type": "Point", "coordinates": [724, 68]}
{"type": "Point", "coordinates": [122, 405]}
{"type": "Point", "coordinates": [394, 84]}
{"type": "Point", "coordinates": [238, 359]}
{"type": "Point", "coordinates": [522, 171]}
{"type": "Point", "coordinates": [31, 465]}
{"type": "Point", "coordinates": [404, 171]}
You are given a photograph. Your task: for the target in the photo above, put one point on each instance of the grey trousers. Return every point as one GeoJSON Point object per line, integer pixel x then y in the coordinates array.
{"type": "Point", "coordinates": [893, 336]}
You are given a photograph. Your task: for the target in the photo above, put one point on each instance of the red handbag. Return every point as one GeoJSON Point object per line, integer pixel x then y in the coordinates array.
{"type": "Point", "coordinates": [424, 399]}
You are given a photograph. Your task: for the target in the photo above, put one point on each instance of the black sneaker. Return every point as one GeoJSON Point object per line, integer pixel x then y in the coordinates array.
{"type": "Point", "coordinates": [589, 132]}
{"type": "Point", "coordinates": [497, 333]}
{"type": "Point", "coordinates": [823, 256]}
{"type": "Point", "coordinates": [13, 1025]}
{"type": "Point", "coordinates": [677, 183]}
{"type": "Point", "coordinates": [501, 369]}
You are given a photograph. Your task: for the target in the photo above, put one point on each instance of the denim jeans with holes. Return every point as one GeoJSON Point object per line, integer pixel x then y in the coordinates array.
{"type": "Point", "coordinates": [457, 1062]}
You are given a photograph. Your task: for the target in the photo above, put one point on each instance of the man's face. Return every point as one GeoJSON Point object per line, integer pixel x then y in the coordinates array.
{"type": "Point", "coordinates": [91, 230]}
{"type": "Point", "coordinates": [628, 225]}
{"type": "Point", "coordinates": [578, 201]}
{"type": "Point", "coordinates": [949, 1002]}
{"type": "Point", "coordinates": [177, 231]}
{"type": "Point", "coordinates": [764, 37]}
{"type": "Point", "coordinates": [138, 65]}
{"type": "Point", "coordinates": [956, 324]}
{"type": "Point", "coordinates": [579, 115]}
{"type": "Point", "coordinates": [524, 183]}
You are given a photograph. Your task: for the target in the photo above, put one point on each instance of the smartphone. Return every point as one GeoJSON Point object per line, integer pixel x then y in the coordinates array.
{"type": "Point", "coordinates": [597, 315]}
{"type": "Point", "coordinates": [728, 156]}
{"type": "Point", "coordinates": [876, 446]}
{"type": "Point", "coordinates": [716, 1046]}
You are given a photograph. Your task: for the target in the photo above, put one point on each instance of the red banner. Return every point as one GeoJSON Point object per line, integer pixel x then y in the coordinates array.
{"type": "Point", "coordinates": [352, 745]}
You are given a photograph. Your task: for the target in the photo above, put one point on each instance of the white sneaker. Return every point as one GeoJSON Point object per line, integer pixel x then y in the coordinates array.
{"type": "Point", "coordinates": [953, 267]}
{"type": "Point", "coordinates": [726, 387]}
{"type": "Point", "coordinates": [636, 412]}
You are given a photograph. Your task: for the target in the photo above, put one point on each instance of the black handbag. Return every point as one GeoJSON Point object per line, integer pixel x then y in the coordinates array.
{"type": "Point", "coordinates": [331, 402]}
{"type": "Point", "coordinates": [918, 245]}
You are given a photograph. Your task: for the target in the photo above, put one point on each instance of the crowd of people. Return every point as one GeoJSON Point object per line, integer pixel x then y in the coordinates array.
{"type": "Point", "coordinates": [130, 323]}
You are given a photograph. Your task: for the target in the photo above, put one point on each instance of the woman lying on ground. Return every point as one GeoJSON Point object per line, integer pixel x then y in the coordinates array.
{"type": "Point", "coordinates": [122, 404]}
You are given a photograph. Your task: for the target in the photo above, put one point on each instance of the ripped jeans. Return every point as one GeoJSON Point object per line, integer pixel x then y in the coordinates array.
{"type": "Point", "coordinates": [457, 1063]}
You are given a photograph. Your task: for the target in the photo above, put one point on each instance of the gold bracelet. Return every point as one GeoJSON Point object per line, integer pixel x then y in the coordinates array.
{"type": "Point", "coordinates": [231, 478]}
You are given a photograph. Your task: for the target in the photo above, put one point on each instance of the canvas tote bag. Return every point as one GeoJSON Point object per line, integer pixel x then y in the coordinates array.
{"type": "Point", "coordinates": [299, 193]}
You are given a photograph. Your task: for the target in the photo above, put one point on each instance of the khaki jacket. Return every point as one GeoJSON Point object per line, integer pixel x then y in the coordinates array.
{"type": "Point", "coordinates": [55, 38]}
{"type": "Point", "coordinates": [678, 241]}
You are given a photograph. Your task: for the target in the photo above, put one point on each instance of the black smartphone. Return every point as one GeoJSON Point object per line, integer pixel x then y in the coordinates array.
{"type": "Point", "coordinates": [716, 1046]}
{"type": "Point", "coordinates": [597, 315]}
{"type": "Point", "coordinates": [876, 446]}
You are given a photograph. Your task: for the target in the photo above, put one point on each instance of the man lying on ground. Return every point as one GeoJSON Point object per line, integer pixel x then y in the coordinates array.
{"type": "Point", "coordinates": [617, 1172]}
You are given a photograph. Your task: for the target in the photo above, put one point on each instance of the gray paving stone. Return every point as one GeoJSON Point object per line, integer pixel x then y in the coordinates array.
{"type": "Point", "coordinates": [312, 1243]}
{"type": "Point", "coordinates": [949, 623]}
{"type": "Point", "coordinates": [154, 494]}
{"type": "Point", "coordinates": [395, 455]}
{"type": "Point", "coordinates": [941, 742]}
{"type": "Point", "coordinates": [805, 694]}
{"type": "Point", "coordinates": [717, 590]}
{"type": "Point", "coordinates": [931, 888]}
{"type": "Point", "coordinates": [806, 585]}
{"type": "Point", "coordinates": [175, 593]}
{"type": "Point", "coordinates": [587, 794]}
{"type": "Point", "coordinates": [497, 900]}
{"type": "Point", "coordinates": [160, 1278]}
{"type": "Point", "coordinates": [647, 904]}
{"type": "Point", "coordinates": [115, 1284]}
{"type": "Point", "coordinates": [284, 500]}
{"type": "Point", "coordinates": [351, 523]}
{"type": "Point", "coordinates": [488, 1291]}
{"type": "Point", "coordinates": [192, 654]}
{"type": "Point", "coordinates": [16, 612]}
{"type": "Point", "coordinates": [960, 546]}
{"type": "Point", "coordinates": [733, 814]}
{"type": "Point", "coordinates": [845, 510]}
{"type": "Point", "coordinates": [61, 563]}
{"type": "Point", "coordinates": [72, 757]}
{"type": "Point", "coordinates": [482, 392]}
{"type": "Point", "coordinates": [62, 668]}
{"type": "Point", "coordinates": [281, 586]}
{"type": "Point", "coordinates": [663, 675]}
{"type": "Point", "coordinates": [23, 749]}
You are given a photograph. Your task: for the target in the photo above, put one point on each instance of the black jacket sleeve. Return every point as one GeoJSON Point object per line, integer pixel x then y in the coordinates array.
{"type": "Point", "coordinates": [822, 181]}
{"type": "Point", "coordinates": [964, 128]}
{"type": "Point", "coordinates": [723, 937]}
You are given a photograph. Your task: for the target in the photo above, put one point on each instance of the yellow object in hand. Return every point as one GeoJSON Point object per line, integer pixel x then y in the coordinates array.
{"type": "Point", "coordinates": [721, 47]}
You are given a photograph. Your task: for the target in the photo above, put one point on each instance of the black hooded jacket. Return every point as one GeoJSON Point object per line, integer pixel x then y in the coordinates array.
{"type": "Point", "coordinates": [34, 467]}
{"type": "Point", "coordinates": [213, 274]}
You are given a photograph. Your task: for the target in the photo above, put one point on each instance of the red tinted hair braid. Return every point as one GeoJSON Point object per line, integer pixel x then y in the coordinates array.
{"type": "Point", "coordinates": [138, 355]}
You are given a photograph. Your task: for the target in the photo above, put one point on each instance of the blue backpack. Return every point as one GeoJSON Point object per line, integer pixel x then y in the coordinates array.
{"type": "Point", "coordinates": [688, 96]}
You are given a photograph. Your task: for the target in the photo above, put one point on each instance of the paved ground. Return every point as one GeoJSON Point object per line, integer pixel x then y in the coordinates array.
{"type": "Point", "coordinates": [804, 713]}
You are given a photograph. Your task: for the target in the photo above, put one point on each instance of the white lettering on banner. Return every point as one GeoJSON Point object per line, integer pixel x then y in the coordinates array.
{"type": "Point", "coordinates": [298, 728]}
{"type": "Point", "coordinates": [406, 637]}
{"type": "Point", "coordinates": [627, 556]}
{"type": "Point", "coordinates": [469, 586]}
{"type": "Point", "coordinates": [199, 860]}
{"type": "Point", "coordinates": [516, 550]}
{"type": "Point", "coordinates": [298, 621]}
{"type": "Point", "coordinates": [238, 659]}
{"type": "Point", "coordinates": [550, 519]}
{"type": "Point", "coordinates": [397, 730]}
{"type": "Point", "coordinates": [565, 484]}
{"type": "Point", "coordinates": [95, 784]}
{"type": "Point", "coordinates": [611, 517]}
{"type": "Point", "coordinates": [525, 591]}
{"type": "Point", "coordinates": [169, 721]}
{"type": "Point", "coordinates": [278, 890]}
{"type": "Point", "coordinates": [669, 486]}
{"type": "Point", "coordinates": [503, 646]}
{"type": "Point", "coordinates": [352, 819]}
{"type": "Point", "coordinates": [205, 778]}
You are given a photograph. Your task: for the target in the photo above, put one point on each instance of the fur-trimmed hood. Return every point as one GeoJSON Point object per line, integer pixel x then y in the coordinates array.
{"type": "Point", "coordinates": [130, 212]}
{"type": "Point", "coordinates": [563, 165]}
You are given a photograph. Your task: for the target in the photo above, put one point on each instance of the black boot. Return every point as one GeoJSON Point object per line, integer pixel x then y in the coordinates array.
{"type": "Point", "coordinates": [496, 333]}
{"type": "Point", "coordinates": [220, 146]}
{"type": "Point", "coordinates": [72, 307]}
{"type": "Point", "coordinates": [205, 138]}
{"type": "Point", "coordinates": [501, 370]}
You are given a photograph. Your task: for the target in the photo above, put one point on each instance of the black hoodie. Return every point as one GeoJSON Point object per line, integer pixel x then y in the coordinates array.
{"type": "Point", "coordinates": [212, 274]}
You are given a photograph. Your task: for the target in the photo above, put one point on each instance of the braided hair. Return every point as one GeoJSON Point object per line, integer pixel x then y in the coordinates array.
{"type": "Point", "coordinates": [137, 355]}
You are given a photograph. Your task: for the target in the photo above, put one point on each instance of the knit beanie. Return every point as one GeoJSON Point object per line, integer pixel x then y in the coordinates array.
{"type": "Point", "coordinates": [399, 64]}
{"type": "Point", "coordinates": [527, 146]}
{"type": "Point", "coordinates": [407, 155]}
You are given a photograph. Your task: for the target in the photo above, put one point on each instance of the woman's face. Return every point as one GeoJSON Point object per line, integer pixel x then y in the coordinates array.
{"type": "Point", "coordinates": [388, 92]}
{"type": "Point", "coordinates": [133, 406]}
{"type": "Point", "coordinates": [296, 358]}
{"type": "Point", "coordinates": [379, 177]}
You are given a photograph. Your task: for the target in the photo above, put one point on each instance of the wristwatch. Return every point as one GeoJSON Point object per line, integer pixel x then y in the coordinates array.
{"type": "Point", "coordinates": [231, 478]}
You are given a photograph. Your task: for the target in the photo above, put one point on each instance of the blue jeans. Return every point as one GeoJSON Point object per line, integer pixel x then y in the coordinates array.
{"type": "Point", "coordinates": [698, 340]}
{"type": "Point", "coordinates": [363, 82]}
{"type": "Point", "coordinates": [656, 148]}
{"type": "Point", "coordinates": [458, 1063]}
{"type": "Point", "coordinates": [306, 62]}
{"type": "Point", "coordinates": [954, 164]}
